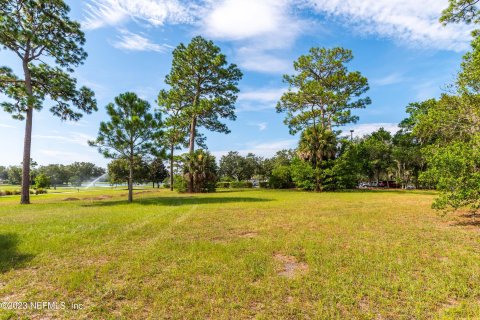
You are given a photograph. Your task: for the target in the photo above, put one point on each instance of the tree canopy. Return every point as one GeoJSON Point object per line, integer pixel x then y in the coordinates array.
{"type": "Point", "coordinates": [131, 132]}
{"type": "Point", "coordinates": [39, 31]}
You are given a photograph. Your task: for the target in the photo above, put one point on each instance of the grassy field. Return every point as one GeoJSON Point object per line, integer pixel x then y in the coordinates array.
{"type": "Point", "coordinates": [238, 255]}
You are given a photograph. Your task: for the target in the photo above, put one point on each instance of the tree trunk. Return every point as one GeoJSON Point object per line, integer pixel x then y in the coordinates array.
{"type": "Point", "coordinates": [153, 184]}
{"type": "Point", "coordinates": [130, 182]}
{"type": "Point", "coordinates": [191, 150]}
{"type": "Point", "coordinates": [27, 144]}
{"type": "Point", "coordinates": [171, 166]}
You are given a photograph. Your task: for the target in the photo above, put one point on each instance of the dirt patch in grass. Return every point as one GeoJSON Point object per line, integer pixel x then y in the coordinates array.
{"type": "Point", "coordinates": [102, 197]}
{"type": "Point", "coordinates": [248, 235]}
{"type": "Point", "coordinates": [71, 199]}
{"type": "Point", "coordinates": [290, 267]}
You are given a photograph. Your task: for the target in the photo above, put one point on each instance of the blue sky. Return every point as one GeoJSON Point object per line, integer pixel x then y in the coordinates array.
{"type": "Point", "coordinates": [397, 44]}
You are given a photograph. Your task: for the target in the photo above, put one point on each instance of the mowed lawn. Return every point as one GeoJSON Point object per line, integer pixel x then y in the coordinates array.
{"type": "Point", "coordinates": [239, 255]}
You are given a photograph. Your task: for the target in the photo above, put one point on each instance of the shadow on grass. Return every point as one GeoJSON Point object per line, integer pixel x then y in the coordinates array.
{"type": "Point", "coordinates": [179, 201]}
{"type": "Point", "coordinates": [10, 258]}
{"type": "Point", "coordinates": [467, 223]}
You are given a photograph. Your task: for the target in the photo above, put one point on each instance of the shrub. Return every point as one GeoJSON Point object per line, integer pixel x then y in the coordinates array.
{"type": "Point", "coordinates": [180, 184]}
{"type": "Point", "coordinates": [303, 175]}
{"type": "Point", "coordinates": [263, 184]}
{"type": "Point", "coordinates": [237, 184]}
{"type": "Point", "coordinates": [2, 193]}
{"type": "Point", "coordinates": [17, 192]}
{"type": "Point", "coordinates": [42, 181]}
{"type": "Point", "coordinates": [224, 185]}
{"type": "Point", "coordinates": [280, 178]}
{"type": "Point", "coordinates": [8, 192]}
{"type": "Point", "coordinates": [241, 184]}
{"type": "Point", "coordinates": [166, 182]}
{"type": "Point", "coordinates": [40, 191]}
{"type": "Point", "coordinates": [204, 171]}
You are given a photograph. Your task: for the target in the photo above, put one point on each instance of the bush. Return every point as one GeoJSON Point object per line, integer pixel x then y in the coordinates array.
{"type": "Point", "coordinates": [16, 192]}
{"type": "Point", "coordinates": [166, 182]}
{"type": "Point", "coordinates": [241, 184]}
{"type": "Point", "coordinates": [281, 178]}
{"type": "Point", "coordinates": [180, 184]}
{"type": "Point", "coordinates": [303, 175]}
{"type": "Point", "coordinates": [8, 193]}
{"type": "Point", "coordinates": [263, 184]}
{"type": "Point", "coordinates": [42, 181]}
{"type": "Point", "coordinates": [224, 185]}
{"type": "Point", "coordinates": [40, 191]}
{"type": "Point", "coordinates": [2, 193]}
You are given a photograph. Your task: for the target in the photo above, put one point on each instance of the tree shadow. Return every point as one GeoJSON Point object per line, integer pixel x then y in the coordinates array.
{"type": "Point", "coordinates": [10, 258]}
{"type": "Point", "coordinates": [467, 223]}
{"type": "Point", "coordinates": [178, 201]}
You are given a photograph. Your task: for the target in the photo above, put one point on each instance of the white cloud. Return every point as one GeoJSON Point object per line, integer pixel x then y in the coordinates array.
{"type": "Point", "coordinates": [262, 126]}
{"type": "Point", "coordinates": [246, 19]}
{"type": "Point", "coordinates": [255, 59]}
{"type": "Point", "coordinates": [135, 42]}
{"type": "Point", "coordinates": [259, 100]}
{"type": "Point", "coordinates": [100, 13]}
{"type": "Point", "coordinates": [259, 27]}
{"type": "Point", "coordinates": [264, 149]}
{"type": "Point", "coordinates": [361, 130]}
{"type": "Point", "coordinates": [389, 79]}
{"type": "Point", "coordinates": [6, 126]}
{"type": "Point", "coordinates": [411, 21]}
{"type": "Point", "coordinates": [262, 95]}
{"type": "Point", "coordinates": [77, 138]}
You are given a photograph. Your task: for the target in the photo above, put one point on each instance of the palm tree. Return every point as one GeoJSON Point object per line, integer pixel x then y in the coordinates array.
{"type": "Point", "coordinates": [317, 146]}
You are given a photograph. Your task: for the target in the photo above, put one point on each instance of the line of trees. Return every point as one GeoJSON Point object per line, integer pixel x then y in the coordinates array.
{"type": "Point", "coordinates": [53, 175]}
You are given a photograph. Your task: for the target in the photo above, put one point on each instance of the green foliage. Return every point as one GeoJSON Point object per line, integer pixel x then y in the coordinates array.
{"type": "Point", "coordinates": [455, 170]}
{"type": "Point", "coordinates": [323, 92]}
{"type": "Point", "coordinates": [203, 87]}
{"type": "Point", "coordinates": [202, 168]}
{"type": "Point", "coordinates": [241, 184]}
{"type": "Point", "coordinates": [157, 171]}
{"type": "Point", "coordinates": [303, 174]}
{"type": "Point", "coordinates": [3, 173]}
{"type": "Point", "coordinates": [223, 184]}
{"type": "Point", "coordinates": [131, 132]}
{"type": "Point", "coordinates": [237, 167]}
{"type": "Point", "coordinates": [377, 152]}
{"type": "Point", "coordinates": [42, 181]}
{"type": "Point", "coordinates": [36, 32]}
{"type": "Point", "coordinates": [321, 96]}
{"type": "Point", "coordinates": [180, 183]}
{"type": "Point", "coordinates": [263, 184]}
{"type": "Point", "coordinates": [14, 174]}
{"type": "Point", "coordinates": [318, 147]}
{"type": "Point", "coordinates": [40, 191]}
{"type": "Point", "coordinates": [347, 170]}
{"type": "Point", "coordinates": [119, 170]}
{"type": "Point", "coordinates": [60, 174]}
{"type": "Point", "coordinates": [83, 171]}
{"type": "Point", "coordinates": [461, 11]}
{"type": "Point", "coordinates": [281, 178]}
{"type": "Point", "coordinates": [469, 77]}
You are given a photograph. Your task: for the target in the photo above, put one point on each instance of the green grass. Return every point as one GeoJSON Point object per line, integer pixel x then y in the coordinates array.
{"type": "Point", "coordinates": [370, 255]}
